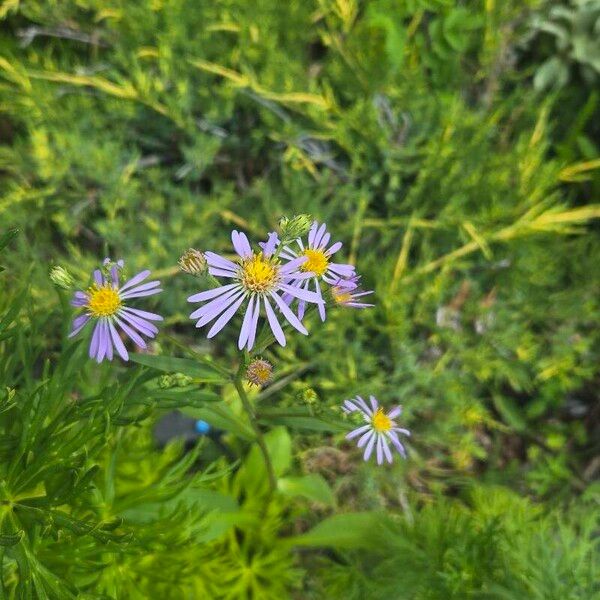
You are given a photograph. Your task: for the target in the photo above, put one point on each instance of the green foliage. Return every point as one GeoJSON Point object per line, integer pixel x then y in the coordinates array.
{"type": "Point", "coordinates": [468, 198]}
{"type": "Point", "coordinates": [574, 29]}
{"type": "Point", "coordinates": [494, 545]}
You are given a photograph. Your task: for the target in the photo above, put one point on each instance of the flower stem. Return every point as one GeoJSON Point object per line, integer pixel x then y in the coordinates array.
{"type": "Point", "coordinates": [260, 440]}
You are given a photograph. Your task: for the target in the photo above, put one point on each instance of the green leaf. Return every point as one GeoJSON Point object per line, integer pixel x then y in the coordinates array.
{"type": "Point", "coordinates": [510, 412]}
{"type": "Point", "coordinates": [10, 539]}
{"type": "Point", "coordinates": [313, 487]}
{"type": "Point", "coordinates": [187, 366]}
{"type": "Point", "coordinates": [349, 530]}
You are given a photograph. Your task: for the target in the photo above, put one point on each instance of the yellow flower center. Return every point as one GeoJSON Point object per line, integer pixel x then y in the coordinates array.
{"type": "Point", "coordinates": [380, 421]}
{"type": "Point", "coordinates": [340, 296]}
{"type": "Point", "coordinates": [259, 274]}
{"type": "Point", "coordinates": [104, 301]}
{"type": "Point", "coordinates": [317, 262]}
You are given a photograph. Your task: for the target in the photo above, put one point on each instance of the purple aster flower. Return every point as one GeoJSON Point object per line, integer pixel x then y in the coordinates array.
{"type": "Point", "coordinates": [380, 428]}
{"type": "Point", "coordinates": [318, 255]}
{"type": "Point", "coordinates": [104, 303]}
{"type": "Point", "coordinates": [346, 292]}
{"type": "Point", "coordinates": [258, 281]}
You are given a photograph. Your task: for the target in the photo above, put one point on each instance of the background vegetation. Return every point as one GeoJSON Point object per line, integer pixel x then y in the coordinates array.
{"type": "Point", "coordinates": [454, 147]}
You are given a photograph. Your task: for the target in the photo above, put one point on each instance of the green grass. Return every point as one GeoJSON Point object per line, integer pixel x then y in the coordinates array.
{"type": "Point", "coordinates": [467, 198]}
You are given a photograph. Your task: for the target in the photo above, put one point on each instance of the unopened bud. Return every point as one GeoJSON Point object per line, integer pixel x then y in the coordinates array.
{"type": "Point", "coordinates": [295, 227]}
{"type": "Point", "coordinates": [193, 262]}
{"type": "Point", "coordinates": [61, 278]}
{"type": "Point", "coordinates": [259, 372]}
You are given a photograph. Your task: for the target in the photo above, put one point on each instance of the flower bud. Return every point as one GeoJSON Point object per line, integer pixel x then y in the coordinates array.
{"type": "Point", "coordinates": [295, 227]}
{"type": "Point", "coordinates": [61, 278]}
{"type": "Point", "coordinates": [193, 262]}
{"type": "Point", "coordinates": [259, 372]}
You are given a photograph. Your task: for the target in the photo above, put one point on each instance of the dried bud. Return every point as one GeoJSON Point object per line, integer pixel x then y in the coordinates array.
{"type": "Point", "coordinates": [259, 372]}
{"type": "Point", "coordinates": [295, 227]}
{"type": "Point", "coordinates": [61, 278]}
{"type": "Point", "coordinates": [193, 262]}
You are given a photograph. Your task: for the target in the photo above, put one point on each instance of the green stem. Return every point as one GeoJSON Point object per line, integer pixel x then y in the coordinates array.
{"type": "Point", "coordinates": [260, 440]}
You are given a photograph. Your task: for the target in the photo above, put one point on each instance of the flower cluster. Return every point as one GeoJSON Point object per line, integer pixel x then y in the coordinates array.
{"type": "Point", "coordinates": [278, 280]}
{"type": "Point", "coordinates": [271, 280]}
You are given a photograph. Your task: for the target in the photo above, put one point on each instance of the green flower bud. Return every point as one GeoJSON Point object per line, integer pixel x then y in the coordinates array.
{"type": "Point", "coordinates": [61, 278]}
{"type": "Point", "coordinates": [295, 227]}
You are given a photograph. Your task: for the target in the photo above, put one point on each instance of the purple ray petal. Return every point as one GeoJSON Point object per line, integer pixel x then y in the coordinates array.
{"type": "Point", "coordinates": [221, 272]}
{"type": "Point", "coordinates": [135, 337]}
{"type": "Point", "coordinates": [215, 302]}
{"type": "Point", "coordinates": [114, 275]}
{"type": "Point", "coordinates": [311, 233]}
{"type": "Point", "coordinates": [321, 305]}
{"type": "Point", "coordinates": [78, 324]}
{"type": "Point", "coordinates": [224, 318]}
{"type": "Point", "coordinates": [135, 280]}
{"type": "Point", "coordinates": [397, 443]}
{"type": "Point", "coordinates": [104, 344]}
{"type": "Point", "coordinates": [208, 294]}
{"type": "Point", "coordinates": [95, 340]}
{"type": "Point", "coordinates": [135, 291]}
{"type": "Point", "coordinates": [288, 314]}
{"type": "Point", "coordinates": [386, 451]}
{"type": "Point", "coordinates": [241, 244]}
{"type": "Point", "coordinates": [245, 330]}
{"type": "Point", "coordinates": [374, 403]}
{"type": "Point", "coordinates": [365, 437]}
{"type": "Point", "coordinates": [395, 412]}
{"type": "Point", "coordinates": [148, 329]}
{"type": "Point", "coordinates": [274, 323]}
{"type": "Point", "coordinates": [253, 325]}
{"type": "Point", "coordinates": [99, 280]}
{"type": "Point", "coordinates": [319, 236]}
{"type": "Point", "coordinates": [341, 270]}
{"type": "Point", "coordinates": [364, 406]}
{"type": "Point", "coordinates": [143, 313]}
{"type": "Point", "coordinates": [293, 265]}
{"type": "Point", "coordinates": [357, 431]}
{"type": "Point", "coordinates": [215, 260]}
{"type": "Point", "coordinates": [132, 294]}
{"type": "Point", "coordinates": [301, 293]}
{"type": "Point", "coordinates": [369, 448]}
{"type": "Point", "coordinates": [379, 449]}
{"type": "Point", "coordinates": [221, 307]}
{"type": "Point", "coordinates": [334, 248]}
{"type": "Point", "coordinates": [118, 342]}
{"type": "Point", "coordinates": [270, 245]}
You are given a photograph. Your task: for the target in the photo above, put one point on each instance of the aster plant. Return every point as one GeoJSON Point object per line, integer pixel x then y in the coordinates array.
{"type": "Point", "coordinates": [258, 281]}
{"type": "Point", "coordinates": [105, 304]}
{"type": "Point", "coordinates": [379, 429]}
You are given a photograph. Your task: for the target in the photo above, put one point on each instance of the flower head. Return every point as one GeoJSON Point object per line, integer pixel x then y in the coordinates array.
{"type": "Point", "coordinates": [380, 428]}
{"type": "Point", "coordinates": [61, 278]}
{"type": "Point", "coordinates": [259, 372]}
{"type": "Point", "coordinates": [295, 227]}
{"type": "Point", "coordinates": [346, 292]}
{"type": "Point", "coordinates": [258, 281]}
{"type": "Point", "coordinates": [105, 303]}
{"type": "Point", "coordinates": [318, 263]}
{"type": "Point", "coordinates": [192, 261]}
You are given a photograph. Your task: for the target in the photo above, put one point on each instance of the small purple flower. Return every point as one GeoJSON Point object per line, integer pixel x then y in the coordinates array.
{"type": "Point", "coordinates": [380, 428]}
{"type": "Point", "coordinates": [346, 292]}
{"type": "Point", "coordinates": [318, 262]}
{"type": "Point", "coordinates": [104, 303]}
{"type": "Point", "coordinates": [258, 279]}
